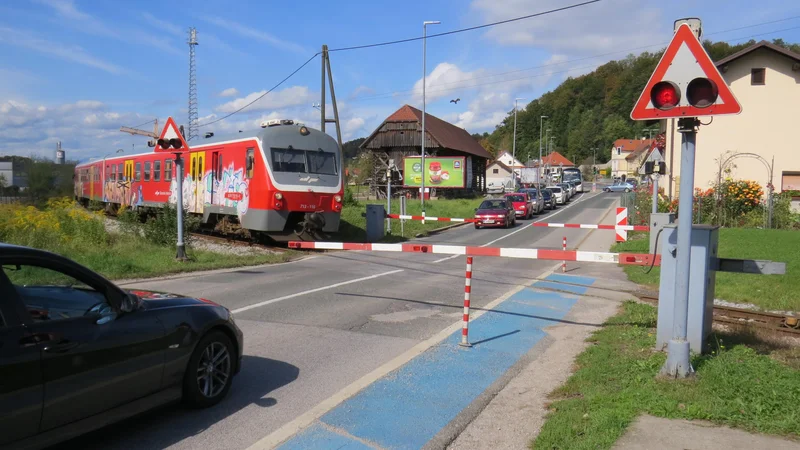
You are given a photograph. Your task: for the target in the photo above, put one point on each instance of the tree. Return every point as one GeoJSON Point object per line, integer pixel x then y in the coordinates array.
{"type": "Point", "coordinates": [3, 182]}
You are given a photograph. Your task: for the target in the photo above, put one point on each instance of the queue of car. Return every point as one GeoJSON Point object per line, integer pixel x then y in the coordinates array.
{"type": "Point", "coordinates": [523, 204]}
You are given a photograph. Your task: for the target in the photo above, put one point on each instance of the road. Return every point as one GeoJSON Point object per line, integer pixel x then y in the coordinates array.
{"type": "Point", "coordinates": [314, 326]}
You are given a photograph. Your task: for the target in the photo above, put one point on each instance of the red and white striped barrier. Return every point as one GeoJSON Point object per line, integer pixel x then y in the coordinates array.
{"type": "Point", "coordinates": [592, 226]}
{"type": "Point", "coordinates": [635, 259]}
{"type": "Point", "coordinates": [432, 218]}
{"type": "Point", "coordinates": [623, 227]}
{"type": "Point", "coordinates": [564, 247]}
{"type": "Point", "coordinates": [622, 221]}
{"type": "Point", "coordinates": [467, 290]}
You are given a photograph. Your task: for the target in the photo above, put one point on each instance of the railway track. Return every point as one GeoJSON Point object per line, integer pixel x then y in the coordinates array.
{"type": "Point", "coordinates": [739, 316]}
{"type": "Point", "coordinates": [239, 242]}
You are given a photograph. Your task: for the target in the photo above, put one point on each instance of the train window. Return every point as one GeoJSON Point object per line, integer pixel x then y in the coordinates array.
{"type": "Point", "coordinates": [219, 168]}
{"type": "Point", "coordinates": [288, 160]}
{"type": "Point", "coordinates": [147, 170]}
{"type": "Point", "coordinates": [138, 176]}
{"type": "Point", "coordinates": [108, 173]}
{"type": "Point", "coordinates": [120, 176]}
{"type": "Point", "coordinates": [157, 171]}
{"type": "Point", "coordinates": [250, 162]}
{"type": "Point", "coordinates": [321, 162]}
{"type": "Point", "coordinates": [113, 172]}
{"type": "Point", "coordinates": [168, 170]}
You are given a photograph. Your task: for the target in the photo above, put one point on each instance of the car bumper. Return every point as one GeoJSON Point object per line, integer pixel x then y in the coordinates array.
{"type": "Point", "coordinates": [496, 222]}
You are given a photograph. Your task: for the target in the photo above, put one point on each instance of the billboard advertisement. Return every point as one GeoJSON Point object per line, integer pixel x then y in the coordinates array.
{"type": "Point", "coordinates": [440, 172]}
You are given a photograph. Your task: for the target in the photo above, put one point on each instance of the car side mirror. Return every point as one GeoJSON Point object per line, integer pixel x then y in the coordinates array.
{"type": "Point", "coordinates": [130, 303]}
{"type": "Point", "coordinates": [476, 209]}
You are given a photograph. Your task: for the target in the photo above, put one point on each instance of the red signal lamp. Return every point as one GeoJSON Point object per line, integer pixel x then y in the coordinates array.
{"type": "Point", "coordinates": [702, 92]}
{"type": "Point", "coordinates": [665, 95]}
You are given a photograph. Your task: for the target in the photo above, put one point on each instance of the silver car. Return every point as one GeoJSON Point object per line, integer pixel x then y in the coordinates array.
{"type": "Point", "coordinates": [559, 194]}
{"type": "Point", "coordinates": [569, 188]}
{"type": "Point", "coordinates": [619, 186]}
{"type": "Point", "coordinates": [536, 199]}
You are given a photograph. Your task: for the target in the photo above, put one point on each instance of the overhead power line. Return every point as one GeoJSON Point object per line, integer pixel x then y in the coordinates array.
{"type": "Point", "coordinates": [462, 30]}
{"type": "Point", "coordinates": [466, 83]}
{"type": "Point", "coordinates": [515, 19]}
{"type": "Point", "coordinates": [145, 123]}
{"type": "Point", "coordinates": [264, 94]}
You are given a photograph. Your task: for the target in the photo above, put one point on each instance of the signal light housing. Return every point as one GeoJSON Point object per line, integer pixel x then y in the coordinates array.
{"type": "Point", "coordinates": [702, 92]}
{"type": "Point", "coordinates": [665, 95]}
{"type": "Point", "coordinates": [167, 143]}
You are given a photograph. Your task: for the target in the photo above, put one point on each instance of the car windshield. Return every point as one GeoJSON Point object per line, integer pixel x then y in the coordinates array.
{"type": "Point", "coordinates": [555, 189]}
{"type": "Point", "coordinates": [516, 198]}
{"type": "Point", "coordinates": [493, 204]}
{"type": "Point", "coordinates": [546, 193]}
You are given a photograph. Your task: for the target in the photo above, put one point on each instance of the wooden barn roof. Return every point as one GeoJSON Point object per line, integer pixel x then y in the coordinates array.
{"type": "Point", "coordinates": [443, 134]}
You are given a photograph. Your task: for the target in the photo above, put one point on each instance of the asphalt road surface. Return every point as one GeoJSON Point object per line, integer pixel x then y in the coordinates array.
{"type": "Point", "coordinates": [316, 325]}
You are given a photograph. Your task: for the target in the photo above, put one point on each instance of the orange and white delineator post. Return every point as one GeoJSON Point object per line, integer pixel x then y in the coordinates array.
{"type": "Point", "coordinates": [467, 290]}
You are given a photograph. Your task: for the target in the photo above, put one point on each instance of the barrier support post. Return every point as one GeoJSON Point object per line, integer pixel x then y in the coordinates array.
{"type": "Point", "coordinates": [564, 247]}
{"type": "Point", "coordinates": [467, 290]}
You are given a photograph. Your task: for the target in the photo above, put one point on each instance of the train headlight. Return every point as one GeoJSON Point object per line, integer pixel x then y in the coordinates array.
{"type": "Point", "coordinates": [337, 198]}
{"type": "Point", "coordinates": [304, 131]}
{"type": "Point", "coordinates": [278, 196]}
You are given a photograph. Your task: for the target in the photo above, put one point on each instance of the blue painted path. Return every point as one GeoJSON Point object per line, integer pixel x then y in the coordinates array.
{"type": "Point", "coordinates": [408, 407]}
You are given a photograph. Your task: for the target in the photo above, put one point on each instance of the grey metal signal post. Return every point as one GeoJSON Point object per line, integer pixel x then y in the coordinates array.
{"type": "Point", "coordinates": [181, 250]}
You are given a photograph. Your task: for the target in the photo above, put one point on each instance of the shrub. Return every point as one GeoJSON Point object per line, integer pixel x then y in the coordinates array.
{"type": "Point", "coordinates": [161, 229]}
{"type": "Point", "coordinates": [58, 224]}
{"type": "Point", "coordinates": [349, 198]}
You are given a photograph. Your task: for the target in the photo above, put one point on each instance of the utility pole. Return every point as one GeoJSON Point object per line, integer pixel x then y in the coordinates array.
{"type": "Point", "coordinates": [514, 145]}
{"type": "Point", "coordinates": [326, 67]}
{"type": "Point", "coordinates": [424, 76]}
{"type": "Point", "coordinates": [541, 125]}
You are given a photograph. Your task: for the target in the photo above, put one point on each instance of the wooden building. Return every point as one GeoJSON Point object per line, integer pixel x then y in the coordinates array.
{"type": "Point", "coordinates": [400, 135]}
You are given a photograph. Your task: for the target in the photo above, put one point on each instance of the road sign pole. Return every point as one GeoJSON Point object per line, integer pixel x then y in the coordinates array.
{"type": "Point", "coordinates": [655, 193]}
{"type": "Point", "coordinates": [678, 364]}
{"type": "Point", "coordinates": [181, 255]}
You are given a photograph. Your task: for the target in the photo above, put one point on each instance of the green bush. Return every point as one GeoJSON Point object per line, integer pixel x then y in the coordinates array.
{"type": "Point", "coordinates": [161, 229]}
{"type": "Point", "coordinates": [349, 198]}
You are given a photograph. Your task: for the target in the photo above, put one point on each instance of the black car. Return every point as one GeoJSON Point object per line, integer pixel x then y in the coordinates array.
{"type": "Point", "coordinates": [549, 199]}
{"type": "Point", "coordinates": [78, 353]}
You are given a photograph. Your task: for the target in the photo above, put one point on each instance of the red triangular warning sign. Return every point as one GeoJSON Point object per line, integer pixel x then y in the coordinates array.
{"type": "Point", "coordinates": [684, 60]}
{"type": "Point", "coordinates": [171, 139]}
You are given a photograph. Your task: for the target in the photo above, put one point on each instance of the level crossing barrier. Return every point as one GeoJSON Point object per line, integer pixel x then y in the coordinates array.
{"type": "Point", "coordinates": [588, 226]}
{"type": "Point", "coordinates": [635, 259]}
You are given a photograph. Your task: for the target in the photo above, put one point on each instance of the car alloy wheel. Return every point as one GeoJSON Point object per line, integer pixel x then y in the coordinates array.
{"type": "Point", "coordinates": [210, 370]}
{"type": "Point", "coordinates": [213, 370]}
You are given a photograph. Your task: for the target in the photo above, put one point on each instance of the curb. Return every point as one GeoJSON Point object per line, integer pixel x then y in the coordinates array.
{"type": "Point", "coordinates": [439, 230]}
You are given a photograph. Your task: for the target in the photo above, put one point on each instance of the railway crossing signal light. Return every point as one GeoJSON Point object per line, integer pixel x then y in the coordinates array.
{"type": "Point", "coordinates": [167, 143]}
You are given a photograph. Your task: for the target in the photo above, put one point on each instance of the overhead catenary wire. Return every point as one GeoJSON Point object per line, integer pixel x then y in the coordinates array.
{"type": "Point", "coordinates": [462, 30]}
{"type": "Point", "coordinates": [393, 93]}
{"type": "Point", "coordinates": [264, 94]}
{"type": "Point", "coordinates": [469, 80]}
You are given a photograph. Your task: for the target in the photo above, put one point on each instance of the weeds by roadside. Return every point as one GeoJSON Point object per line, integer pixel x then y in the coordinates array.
{"type": "Point", "coordinates": [140, 250]}
{"type": "Point", "coordinates": [616, 380]}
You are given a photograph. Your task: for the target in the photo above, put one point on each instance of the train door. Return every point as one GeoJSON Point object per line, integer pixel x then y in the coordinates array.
{"type": "Point", "coordinates": [197, 188]}
{"type": "Point", "coordinates": [91, 182]}
{"type": "Point", "coordinates": [128, 171]}
{"type": "Point", "coordinates": [217, 189]}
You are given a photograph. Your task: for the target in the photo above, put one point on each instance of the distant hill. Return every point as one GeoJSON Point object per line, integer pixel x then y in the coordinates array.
{"type": "Point", "coordinates": [592, 110]}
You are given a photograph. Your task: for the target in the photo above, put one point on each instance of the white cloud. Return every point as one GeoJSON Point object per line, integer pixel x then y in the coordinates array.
{"type": "Point", "coordinates": [86, 23]}
{"type": "Point", "coordinates": [230, 92]}
{"type": "Point", "coordinates": [245, 31]}
{"type": "Point", "coordinates": [86, 128]}
{"type": "Point", "coordinates": [594, 28]}
{"type": "Point", "coordinates": [72, 53]}
{"type": "Point", "coordinates": [292, 96]}
{"type": "Point", "coordinates": [361, 90]}
{"type": "Point", "coordinates": [444, 79]}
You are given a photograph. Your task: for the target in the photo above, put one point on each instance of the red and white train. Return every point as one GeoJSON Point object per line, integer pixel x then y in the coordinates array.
{"type": "Point", "coordinates": [283, 181]}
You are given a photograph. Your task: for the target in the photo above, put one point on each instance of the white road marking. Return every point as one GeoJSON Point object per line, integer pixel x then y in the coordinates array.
{"type": "Point", "coordinates": [302, 421]}
{"type": "Point", "coordinates": [311, 291]}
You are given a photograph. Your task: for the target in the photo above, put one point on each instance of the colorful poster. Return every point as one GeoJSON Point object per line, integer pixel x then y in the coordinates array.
{"type": "Point", "coordinates": [440, 172]}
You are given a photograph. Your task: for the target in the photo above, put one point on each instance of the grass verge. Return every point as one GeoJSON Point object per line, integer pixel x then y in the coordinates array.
{"type": "Point", "coordinates": [353, 225]}
{"type": "Point", "coordinates": [616, 380]}
{"type": "Point", "coordinates": [70, 231]}
{"type": "Point", "coordinates": [772, 292]}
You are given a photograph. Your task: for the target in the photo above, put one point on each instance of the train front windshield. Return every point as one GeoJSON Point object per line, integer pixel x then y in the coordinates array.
{"type": "Point", "coordinates": [316, 162]}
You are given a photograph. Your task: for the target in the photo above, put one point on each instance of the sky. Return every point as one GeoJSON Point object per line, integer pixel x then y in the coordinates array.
{"type": "Point", "coordinates": [75, 71]}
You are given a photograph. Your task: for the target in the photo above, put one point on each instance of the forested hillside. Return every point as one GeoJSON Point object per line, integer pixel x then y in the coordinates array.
{"type": "Point", "coordinates": [591, 110]}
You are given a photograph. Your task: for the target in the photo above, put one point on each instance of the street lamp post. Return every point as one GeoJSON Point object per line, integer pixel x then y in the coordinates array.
{"type": "Point", "coordinates": [541, 125]}
{"type": "Point", "coordinates": [424, 75]}
{"type": "Point", "coordinates": [546, 150]}
{"type": "Point", "coordinates": [514, 144]}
